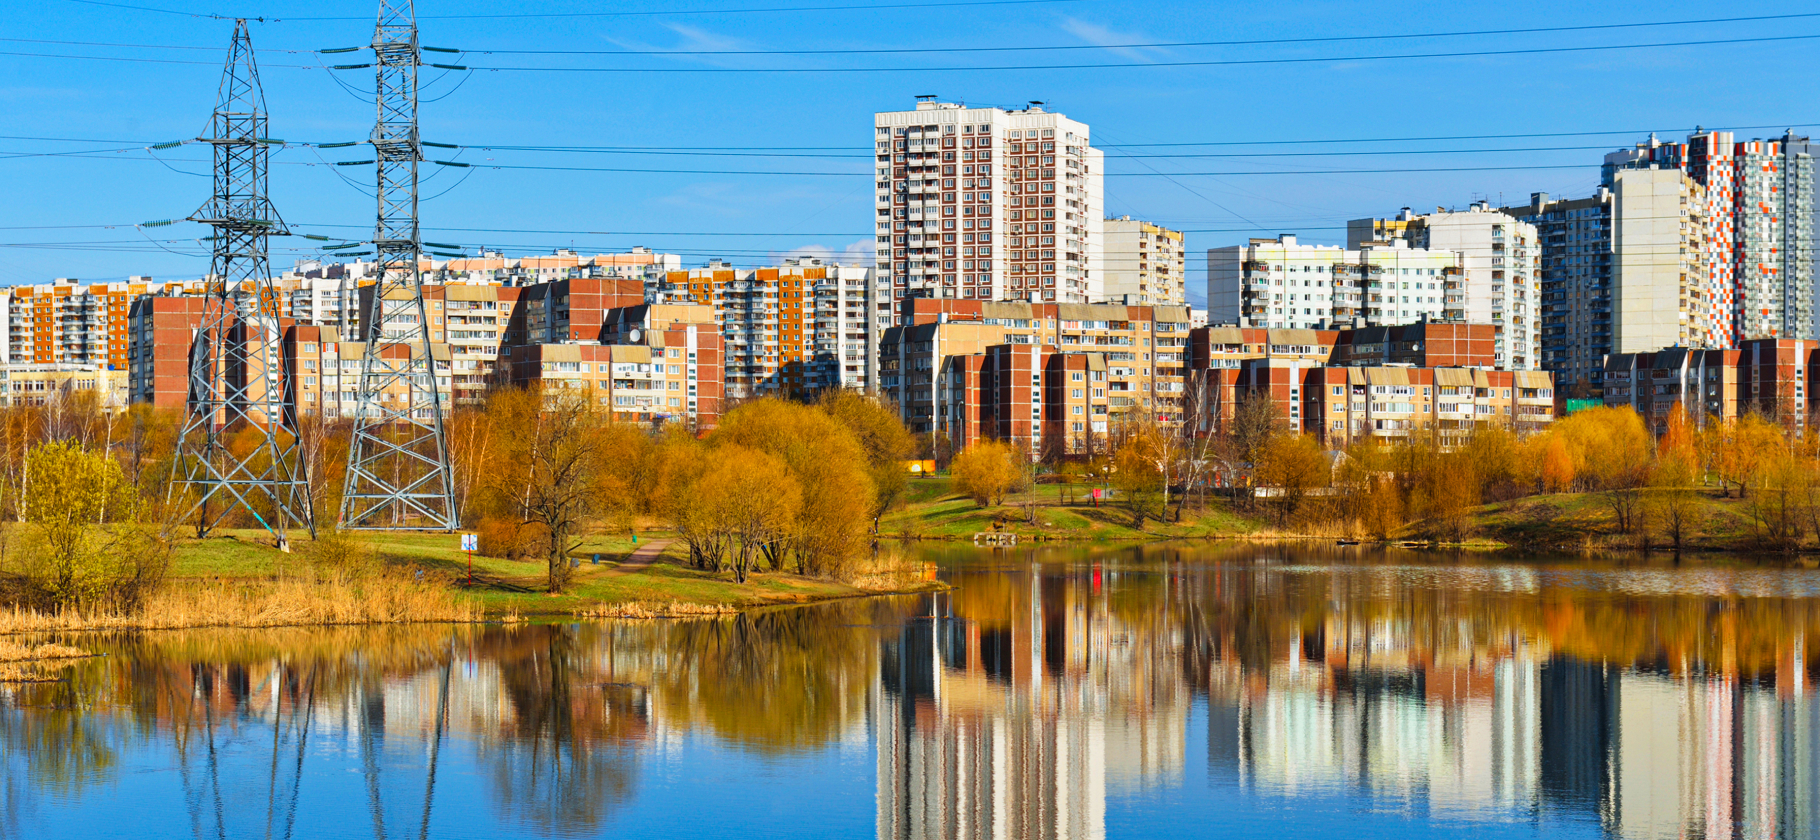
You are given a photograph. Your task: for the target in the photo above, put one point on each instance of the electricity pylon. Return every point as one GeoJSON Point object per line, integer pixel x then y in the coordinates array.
{"type": "Point", "coordinates": [237, 377]}
{"type": "Point", "coordinates": [398, 461]}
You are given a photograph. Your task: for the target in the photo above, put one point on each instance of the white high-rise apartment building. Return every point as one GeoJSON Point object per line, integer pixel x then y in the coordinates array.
{"type": "Point", "coordinates": [1283, 284]}
{"type": "Point", "coordinates": [986, 204]}
{"type": "Point", "coordinates": [1143, 264]}
{"type": "Point", "coordinates": [1500, 283]}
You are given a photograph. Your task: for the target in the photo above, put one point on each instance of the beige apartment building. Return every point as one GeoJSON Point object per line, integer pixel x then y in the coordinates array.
{"type": "Point", "coordinates": [323, 373]}
{"type": "Point", "coordinates": [1659, 289]}
{"type": "Point", "coordinates": [24, 385]}
{"type": "Point", "coordinates": [1144, 264]}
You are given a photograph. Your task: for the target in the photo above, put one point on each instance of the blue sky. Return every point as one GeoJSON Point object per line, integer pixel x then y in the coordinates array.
{"type": "Point", "coordinates": [825, 117]}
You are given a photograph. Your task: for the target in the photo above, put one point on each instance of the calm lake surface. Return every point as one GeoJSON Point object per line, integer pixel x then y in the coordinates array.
{"type": "Point", "coordinates": [1188, 691]}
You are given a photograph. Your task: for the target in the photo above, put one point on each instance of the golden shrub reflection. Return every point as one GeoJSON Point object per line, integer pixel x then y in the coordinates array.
{"type": "Point", "coordinates": [1657, 698]}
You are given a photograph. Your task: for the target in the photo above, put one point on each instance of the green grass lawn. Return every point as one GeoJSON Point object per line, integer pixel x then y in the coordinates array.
{"type": "Point", "coordinates": [520, 587]}
{"type": "Point", "coordinates": [1587, 519]}
{"type": "Point", "coordinates": [931, 509]}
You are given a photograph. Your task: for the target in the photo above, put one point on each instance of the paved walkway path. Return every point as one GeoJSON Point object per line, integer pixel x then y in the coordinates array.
{"type": "Point", "coordinates": [642, 558]}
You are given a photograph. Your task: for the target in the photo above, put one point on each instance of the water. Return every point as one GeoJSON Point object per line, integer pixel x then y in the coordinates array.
{"type": "Point", "coordinates": [1187, 692]}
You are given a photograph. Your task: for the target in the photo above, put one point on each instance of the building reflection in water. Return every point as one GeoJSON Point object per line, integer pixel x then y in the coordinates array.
{"type": "Point", "coordinates": [1015, 705]}
{"type": "Point", "coordinates": [1651, 704]}
{"type": "Point", "coordinates": [1042, 694]}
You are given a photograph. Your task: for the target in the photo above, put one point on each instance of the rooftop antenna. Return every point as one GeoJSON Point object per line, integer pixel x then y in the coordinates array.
{"type": "Point", "coordinates": [237, 380]}
{"type": "Point", "coordinates": [399, 475]}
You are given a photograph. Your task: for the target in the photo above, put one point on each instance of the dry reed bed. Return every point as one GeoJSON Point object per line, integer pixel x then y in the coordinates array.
{"type": "Point", "coordinates": [21, 663]}
{"type": "Point", "coordinates": [647, 609]}
{"type": "Point", "coordinates": [280, 603]}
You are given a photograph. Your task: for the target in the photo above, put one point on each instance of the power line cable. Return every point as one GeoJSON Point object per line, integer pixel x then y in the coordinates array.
{"type": "Point", "coordinates": [1165, 44]}
{"type": "Point", "coordinates": [666, 12]}
{"type": "Point", "coordinates": [1234, 62]}
{"type": "Point", "coordinates": [483, 146]}
{"type": "Point", "coordinates": [1351, 38]}
{"type": "Point", "coordinates": [1231, 62]}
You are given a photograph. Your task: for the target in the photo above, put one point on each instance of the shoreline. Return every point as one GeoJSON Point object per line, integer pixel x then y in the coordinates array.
{"type": "Point", "coordinates": [199, 608]}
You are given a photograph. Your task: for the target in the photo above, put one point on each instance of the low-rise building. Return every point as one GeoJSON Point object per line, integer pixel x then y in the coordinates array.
{"type": "Point", "coordinates": [322, 373]}
{"type": "Point", "coordinates": [636, 383]}
{"type": "Point", "coordinates": [28, 384]}
{"type": "Point", "coordinates": [685, 339]}
{"type": "Point", "coordinates": [1769, 377]}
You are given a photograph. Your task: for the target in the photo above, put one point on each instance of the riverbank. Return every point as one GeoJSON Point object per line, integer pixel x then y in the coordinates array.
{"type": "Point", "coordinates": [1589, 522]}
{"type": "Point", "coordinates": [1562, 522]}
{"type": "Point", "coordinates": [933, 510]}
{"type": "Point", "coordinates": [237, 579]}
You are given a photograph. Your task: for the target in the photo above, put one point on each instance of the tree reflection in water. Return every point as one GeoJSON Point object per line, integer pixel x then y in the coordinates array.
{"type": "Point", "coordinates": [773, 681]}
{"type": "Point", "coordinates": [1044, 690]}
{"type": "Point", "coordinates": [564, 762]}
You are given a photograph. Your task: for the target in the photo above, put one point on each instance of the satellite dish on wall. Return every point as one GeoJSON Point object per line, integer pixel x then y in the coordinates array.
{"type": "Point", "coordinates": [636, 335]}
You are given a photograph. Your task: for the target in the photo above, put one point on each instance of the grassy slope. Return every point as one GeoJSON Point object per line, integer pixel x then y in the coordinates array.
{"type": "Point", "coordinates": [932, 510]}
{"type": "Point", "coordinates": [1584, 520]}
{"type": "Point", "coordinates": [1571, 521]}
{"type": "Point", "coordinates": [505, 587]}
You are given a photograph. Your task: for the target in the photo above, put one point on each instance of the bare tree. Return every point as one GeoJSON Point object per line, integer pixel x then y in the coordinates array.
{"type": "Point", "coordinates": [563, 474]}
{"type": "Point", "coordinates": [1256, 419]}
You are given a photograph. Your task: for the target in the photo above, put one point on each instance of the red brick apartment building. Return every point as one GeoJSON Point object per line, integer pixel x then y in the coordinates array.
{"type": "Point", "coordinates": [1773, 377]}
{"type": "Point", "coordinates": [479, 337]}
{"type": "Point", "coordinates": [1049, 377]}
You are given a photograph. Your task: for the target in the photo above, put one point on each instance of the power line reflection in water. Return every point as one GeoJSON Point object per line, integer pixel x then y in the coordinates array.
{"type": "Point", "coordinates": [1048, 694]}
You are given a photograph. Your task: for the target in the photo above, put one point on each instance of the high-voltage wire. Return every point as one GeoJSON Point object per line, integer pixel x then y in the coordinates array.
{"type": "Point", "coordinates": [1326, 39]}
{"type": "Point", "coordinates": [869, 152]}
{"type": "Point", "coordinates": [935, 4]}
{"type": "Point", "coordinates": [399, 475]}
{"type": "Point", "coordinates": [237, 383]}
{"type": "Point", "coordinates": [1231, 62]}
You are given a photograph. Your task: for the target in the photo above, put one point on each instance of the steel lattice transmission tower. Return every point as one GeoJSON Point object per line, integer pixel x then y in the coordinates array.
{"type": "Point", "coordinates": [237, 378]}
{"type": "Point", "coordinates": [398, 461]}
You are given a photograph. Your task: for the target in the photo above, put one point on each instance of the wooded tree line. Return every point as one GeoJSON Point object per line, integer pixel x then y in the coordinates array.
{"type": "Point", "coordinates": [779, 485]}
{"type": "Point", "coordinates": [1655, 489]}
{"type": "Point", "coordinates": [1427, 484]}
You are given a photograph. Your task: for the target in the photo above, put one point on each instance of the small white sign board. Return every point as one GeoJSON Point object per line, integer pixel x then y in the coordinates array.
{"type": "Point", "coordinates": [470, 542]}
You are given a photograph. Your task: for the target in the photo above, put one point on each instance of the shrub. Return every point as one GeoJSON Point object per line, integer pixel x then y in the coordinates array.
{"type": "Point", "coordinates": [509, 539]}
{"type": "Point", "coordinates": [987, 471]}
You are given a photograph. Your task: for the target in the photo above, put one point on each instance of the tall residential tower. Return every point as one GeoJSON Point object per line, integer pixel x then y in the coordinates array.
{"type": "Point", "coordinates": [986, 204]}
{"type": "Point", "coordinates": [1760, 198]}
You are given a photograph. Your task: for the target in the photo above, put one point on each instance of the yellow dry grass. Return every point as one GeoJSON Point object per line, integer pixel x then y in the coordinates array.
{"type": "Point", "coordinates": [24, 663]}
{"type": "Point", "coordinates": [15, 652]}
{"type": "Point", "coordinates": [892, 573]}
{"type": "Point", "coordinates": [260, 603]}
{"type": "Point", "coordinates": [648, 609]}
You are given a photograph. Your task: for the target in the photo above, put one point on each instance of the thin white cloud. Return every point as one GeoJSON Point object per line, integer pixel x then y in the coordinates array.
{"type": "Point", "coordinates": [694, 38]}
{"type": "Point", "coordinates": [1101, 36]}
{"type": "Point", "coordinates": [857, 253]}
{"type": "Point", "coordinates": [689, 39]}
